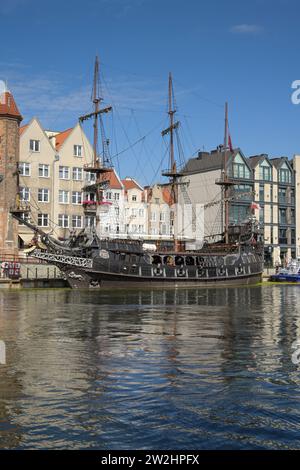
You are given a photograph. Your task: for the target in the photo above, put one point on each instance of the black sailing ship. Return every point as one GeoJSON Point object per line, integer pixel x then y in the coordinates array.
{"type": "Point", "coordinates": [88, 260]}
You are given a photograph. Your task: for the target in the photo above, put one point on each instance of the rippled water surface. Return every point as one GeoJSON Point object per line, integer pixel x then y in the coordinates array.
{"type": "Point", "coordinates": [205, 369]}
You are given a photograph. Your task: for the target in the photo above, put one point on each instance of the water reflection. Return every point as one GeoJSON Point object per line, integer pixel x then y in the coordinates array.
{"type": "Point", "coordinates": [204, 368]}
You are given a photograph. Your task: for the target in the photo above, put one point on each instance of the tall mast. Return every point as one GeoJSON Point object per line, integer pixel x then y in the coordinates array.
{"type": "Point", "coordinates": [226, 191]}
{"type": "Point", "coordinates": [96, 101]}
{"type": "Point", "coordinates": [172, 172]}
{"type": "Point", "coordinates": [98, 167]}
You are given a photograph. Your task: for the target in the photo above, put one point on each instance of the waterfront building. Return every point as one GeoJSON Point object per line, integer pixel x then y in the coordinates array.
{"type": "Point", "coordinates": [135, 213]}
{"type": "Point", "coordinates": [160, 211]}
{"type": "Point", "coordinates": [52, 177]}
{"type": "Point", "coordinates": [267, 182]}
{"type": "Point", "coordinates": [10, 119]}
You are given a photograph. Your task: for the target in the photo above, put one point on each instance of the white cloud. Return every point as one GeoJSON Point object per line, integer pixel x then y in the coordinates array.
{"type": "Point", "coordinates": [246, 29]}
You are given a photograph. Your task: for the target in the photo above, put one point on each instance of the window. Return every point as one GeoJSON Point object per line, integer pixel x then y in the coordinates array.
{"type": "Point", "coordinates": [25, 194]}
{"type": "Point", "coordinates": [117, 196]}
{"type": "Point", "coordinates": [133, 212]}
{"type": "Point", "coordinates": [43, 220]}
{"type": "Point", "coordinates": [64, 172]}
{"type": "Point", "coordinates": [157, 200]}
{"type": "Point", "coordinates": [90, 177]}
{"type": "Point", "coordinates": [285, 175]}
{"type": "Point", "coordinates": [134, 198]}
{"type": "Point", "coordinates": [153, 216]}
{"type": "Point", "coordinates": [63, 197]}
{"type": "Point", "coordinates": [163, 229]}
{"type": "Point", "coordinates": [63, 220]}
{"type": "Point", "coordinates": [77, 174]}
{"type": "Point", "coordinates": [265, 171]}
{"type": "Point", "coordinates": [141, 228]}
{"type": "Point", "coordinates": [292, 216]}
{"type": "Point", "coordinates": [282, 195]}
{"type": "Point", "coordinates": [261, 192]}
{"type": "Point", "coordinates": [90, 221]}
{"type": "Point", "coordinates": [141, 212]}
{"type": "Point", "coordinates": [90, 197]}
{"type": "Point", "coordinates": [282, 236]}
{"type": "Point", "coordinates": [34, 145]}
{"type": "Point", "coordinates": [43, 195]}
{"type": "Point", "coordinates": [24, 169]}
{"type": "Point", "coordinates": [76, 221]}
{"type": "Point", "coordinates": [240, 169]}
{"type": "Point", "coordinates": [117, 211]}
{"type": "Point", "coordinates": [238, 213]}
{"type": "Point", "coordinates": [77, 150]}
{"type": "Point", "coordinates": [244, 188]}
{"type": "Point", "coordinates": [44, 171]}
{"type": "Point", "coordinates": [162, 217]}
{"type": "Point", "coordinates": [282, 216]}
{"type": "Point", "coordinates": [24, 216]}
{"type": "Point", "coordinates": [108, 195]}
{"type": "Point", "coordinates": [76, 197]}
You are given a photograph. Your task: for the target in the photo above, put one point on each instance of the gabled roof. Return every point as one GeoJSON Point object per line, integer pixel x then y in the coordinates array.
{"type": "Point", "coordinates": [277, 162]}
{"type": "Point", "coordinates": [61, 137]}
{"type": "Point", "coordinates": [8, 107]}
{"type": "Point", "coordinates": [130, 183]}
{"type": "Point", "coordinates": [114, 180]}
{"type": "Point", "coordinates": [256, 159]}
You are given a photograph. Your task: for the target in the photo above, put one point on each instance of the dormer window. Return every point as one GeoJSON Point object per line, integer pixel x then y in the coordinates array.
{"type": "Point", "coordinates": [240, 169]}
{"type": "Point", "coordinates": [265, 171]}
{"type": "Point", "coordinates": [285, 174]}
{"type": "Point", "coordinates": [34, 145]}
{"type": "Point", "coordinates": [77, 150]}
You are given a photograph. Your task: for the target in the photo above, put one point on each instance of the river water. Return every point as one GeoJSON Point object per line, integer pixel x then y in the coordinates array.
{"type": "Point", "coordinates": [201, 369]}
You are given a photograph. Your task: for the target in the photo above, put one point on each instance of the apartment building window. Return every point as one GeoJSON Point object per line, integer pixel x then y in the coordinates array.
{"type": "Point", "coordinates": [282, 236]}
{"type": "Point", "coordinates": [117, 196]}
{"type": "Point", "coordinates": [240, 169]}
{"type": "Point", "coordinates": [162, 217]}
{"type": "Point", "coordinates": [77, 174]}
{"type": "Point", "coordinates": [117, 211]}
{"type": "Point", "coordinates": [293, 216]}
{"type": "Point", "coordinates": [262, 215]}
{"type": "Point", "coordinates": [76, 221]}
{"type": "Point", "coordinates": [76, 197]}
{"type": "Point", "coordinates": [133, 212]}
{"type": "Point", "coordinates": [293, 237]}
{"type": "Point", "coordinates": [141, 212]}
{"type": "Point", "coordinates": [153, 216]}
{"type": "Point", "coordinates": [64, 172]}
{"type": "Point", "coordinates": [44, 170]}
{"type": "Point", "coordinates": [43, 220]}
{"type": "Point", "coordinates": [63, 197]}
{"type": "Point", "coordinates": [90, 196]}
{"type": "Point", "coordinates": [90, 177]}
{"type": "Point", "coordinates": [141, 228]}
{"type": "Point", "coordinates": [244, 188]}
{"type": "Point", "coordinates": [43, 195]}
{"type": "Point", "coordinates": [163, 229]}
{"type": "Point", "coordinates": [24, 169]}
{"type": "Point", "coordinates": [63, 220]}
{"type": "Point", "coordinates": [282, 195]}
{"type": "Point", "coordinates": [133, 228]}
{"type": "Point", "coordinates": [24, 216]}
{"type": "Point", "coordinates": [261, 192]}
{"type": "Point", "coordinates": [282, 216]}
{"type": "Point", "coordinates": [134, 198]}
{"type": "Point", "coordinates": [34, 145]}
{"type": "Point", "coordinates": [285, 175]}
{"type": "Point", "coordinates": [108, 195]}
{"type": "Point", "coordinates": [292, 195]}
{"type": "Point", "coordinates": [265, 171]}
{"type": "Point", "coordinates": [77, 150]}
{"type": "Point", "coordinates": [238, 213]}
{"type": "Point", "coordinates": [90, 221]}
{"type": "Point", "coordinates": [25, 194]}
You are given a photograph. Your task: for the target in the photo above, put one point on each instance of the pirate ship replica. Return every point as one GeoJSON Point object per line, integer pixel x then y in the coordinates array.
{"type": "Point", "coordinates": [89, 260]}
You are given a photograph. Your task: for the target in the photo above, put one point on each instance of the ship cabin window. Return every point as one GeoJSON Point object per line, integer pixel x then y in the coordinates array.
{"type": "Point", "coordinates": [122, 256]}
{"type": "Point", "coordinates": [156, 259]}
{"type": "Point", "coordinates": [133, 259]}
{"type": "Point", "coordinates": [189, 261]}
{"type": "Point", "coordinates": [169, 260]}
{"type": "Point", "coordinates": [179, 260]}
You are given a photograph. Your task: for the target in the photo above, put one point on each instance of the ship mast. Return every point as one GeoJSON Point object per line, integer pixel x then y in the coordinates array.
{"type": "Point", "coordinates": [225, 181]}
{"type": "Point", "coordinates": [99, 166]}
{"type": "Point", "coordinates": [172, 172]}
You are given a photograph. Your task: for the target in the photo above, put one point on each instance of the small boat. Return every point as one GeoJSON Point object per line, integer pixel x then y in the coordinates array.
{"type": "Point", "coordinates": [289, 274]}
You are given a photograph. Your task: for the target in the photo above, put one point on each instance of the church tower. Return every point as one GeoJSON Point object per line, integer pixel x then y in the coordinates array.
{"type": "Point", "coordinates": [10, 119]}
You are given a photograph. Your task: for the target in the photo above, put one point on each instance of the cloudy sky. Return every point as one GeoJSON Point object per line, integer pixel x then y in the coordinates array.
{"type": "Point", "coordinates": [244, 52]}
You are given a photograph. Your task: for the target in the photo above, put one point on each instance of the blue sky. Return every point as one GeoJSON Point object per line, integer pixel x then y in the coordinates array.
{"type": "Point", "coordinates": [244, 52]}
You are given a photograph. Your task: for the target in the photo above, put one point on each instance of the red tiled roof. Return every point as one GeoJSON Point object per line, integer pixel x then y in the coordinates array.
{"type": "Point", "coordinates": [8, 106]}
{"type": "Point", "coordinates": [130, 183]}
{"type": "Point", "coordinates": [114, 182]}
{"type": "Point", "coordinates": [22, 129]}
{"type": "Point", "coordinates": [61, 137]}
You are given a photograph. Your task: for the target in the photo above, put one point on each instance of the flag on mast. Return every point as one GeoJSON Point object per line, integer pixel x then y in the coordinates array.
{"type": "Point", "coordinates": [230, 143]}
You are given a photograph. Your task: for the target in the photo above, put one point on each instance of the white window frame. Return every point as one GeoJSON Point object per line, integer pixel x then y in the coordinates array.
{"type": "Point", "coordinates": [34, 145]}
{"type": "Point", "coordinates": [44, 168]}
{"type": "Point", "coordinates": [77, 150]}
{"type": "Point", "coordinates": [76, 218]}
{"type": "Point", "coordinates": [24, 191]}
{"type": "Point", "coordinates": [24, 169]}
{"type": "Point", "coordinates": [76, 173]}
{"type": "Point", "coordinates": [43, 217]}
{"type": "Point", "coordinates": [63, 196]}
{"type": "Point", "coordinates": [64, 173]}
{"type": "Point", "coordinates": [43, 195]}
{"type": "Point", "coordinates": [63, 220]}
{"type": "Point", "coordinates": [77, 197]}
